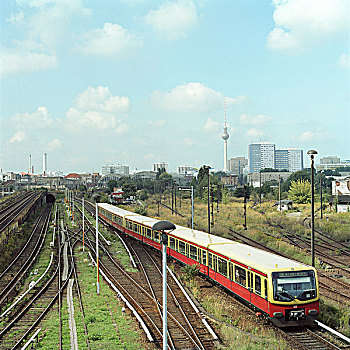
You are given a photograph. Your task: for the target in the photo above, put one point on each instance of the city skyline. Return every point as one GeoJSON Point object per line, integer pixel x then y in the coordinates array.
{"type": "Point", "coordinates": [92, 83]}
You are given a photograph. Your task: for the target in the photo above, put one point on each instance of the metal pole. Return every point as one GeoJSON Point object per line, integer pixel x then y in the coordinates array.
{"type": "Point", "coordinates": [245, 207]}
{"type": "Point", "coordinates": [321, 194]}
{"type": "Point", "coordinates": [208, 201]}
{"type": "Point", "coordinates": [312, 214]}
{"type": "Point", "coordinates": [83, 226]}
{"type": "Point", "coordinates": [172, 200]}
{"type": "Point", "coordinates": [260, 187]}
{"type": "Point", "coordinates": [218, 194]}
{"type": "Point", "coordinates": [192, 204]}
{"type": "Point", "coordinates": [73, 208]}
{"type": "Point", "coordinates": [97, 262]}
{"type": "Point", "coordinates": [279, 192]}
{"type": "Point", "coordinates": [165, 337]}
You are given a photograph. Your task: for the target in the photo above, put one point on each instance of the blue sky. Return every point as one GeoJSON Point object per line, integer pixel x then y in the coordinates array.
{"type": "Point", "coordinates": [137, 82]}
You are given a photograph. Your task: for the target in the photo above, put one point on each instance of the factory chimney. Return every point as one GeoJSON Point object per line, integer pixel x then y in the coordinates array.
{"type": "Point", "coordinates": [30, 163]}
{"type": "Point", "coordinates": [44, 163]}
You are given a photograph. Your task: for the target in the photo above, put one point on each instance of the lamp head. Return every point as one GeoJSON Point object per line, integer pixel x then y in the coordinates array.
{"type": "Point", "coordinates": [311, 152]}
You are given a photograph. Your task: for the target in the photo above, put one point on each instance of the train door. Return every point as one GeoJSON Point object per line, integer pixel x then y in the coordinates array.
{"type": "Point", "coordinates": [250, 284]}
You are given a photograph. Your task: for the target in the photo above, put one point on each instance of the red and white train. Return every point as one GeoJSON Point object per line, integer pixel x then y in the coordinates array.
{"type": "Point", "coordinates": [283, 290]}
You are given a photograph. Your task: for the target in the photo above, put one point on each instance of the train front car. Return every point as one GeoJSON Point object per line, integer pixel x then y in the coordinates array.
{"type": "Point", "coordinates": [293, 296]}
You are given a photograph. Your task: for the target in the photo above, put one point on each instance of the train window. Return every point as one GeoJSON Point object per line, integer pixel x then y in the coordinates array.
{"type": "Point", "coordinates": [156, 236]}
{"type": "Point", "coordinates": [257, 284]}
{"type": "Point", "coordinates": [213, 261]}
{"type": "Point", "coordinates": [182, 248]}
{"type": "Point", "coordinates": [193, 253]}
{"type": "Point", "coordinates": [240, 275]}
{"type": "Point", "coordinates": [222, 266]}
{"type": "Point", "coordinates": [149, 233]}
{"type": "Point", "coordinates": [134, 227]}
{"type": "Point", "coordinates": [172, 242]}
{"type": "Point", "coordinates": [265, 286]}
{"type": "Point", "coordinates": [204, 257]}
{"type": "Point", "coordinates": [231, 270]}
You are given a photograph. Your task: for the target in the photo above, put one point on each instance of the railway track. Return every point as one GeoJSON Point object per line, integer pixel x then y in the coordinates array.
{"type": "Point", "coordinates": [12, 277]}
{"type": "Point", "coordinates": [194, 332]}
{"type": "Point", "coordinates": [12, 211]}
{"type": "Point", "coordinates": [144, 291]}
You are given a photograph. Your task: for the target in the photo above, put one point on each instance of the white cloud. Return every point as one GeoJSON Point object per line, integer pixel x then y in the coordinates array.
{"type": "Point", "coordinates": [307, 136]}
{"type": "Point", "coordinates": [111, 40]}
{"type": "Point", "coordinates": [157, 123]}
{"type": "Point", "coordinates": [188, 142]}
{"type": "Point", "coordinates": [302, 23]}
{"type": "Point", "coordinates": [173, 20]}
{"type": "Point", "coordinates": [149, 156]}
{"type": "Point", "coordinates": [101, 99]}
{"type": "Point", "coordinates": [190, 98]}
{"type": "Point", "coordinates": [39, 119]}
{"type": "Point", "coordinates": [260, 119]}
{"type": "Point", "coordinates": [344, 61]}
{"type": "Point", "coordinates": [97, 108]}
{"type": "Point", "coordinates": [255, 133]}
{"type": "Point", "coordinates": [17, 61]}
{"type": "Point", "coordinates": [43, 25]}
{"type": "Point", "coordinates": [211, 126]}
{"type": "Point", "coordinates": [236, 100]}
{"type": "Point", "coordinates": [54, 144]}
{"type": "Point", "coordinates": [318, 135]}
{"type": "Point", "coordinates": [18, 137]}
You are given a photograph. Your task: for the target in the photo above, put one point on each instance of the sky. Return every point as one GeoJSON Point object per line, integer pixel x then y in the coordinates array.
{"type": "Point", "coordinates": [135, 82]}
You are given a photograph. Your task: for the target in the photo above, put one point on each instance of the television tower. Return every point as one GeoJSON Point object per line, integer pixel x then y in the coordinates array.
{"type": "Point", "coordinates": [225, 137]}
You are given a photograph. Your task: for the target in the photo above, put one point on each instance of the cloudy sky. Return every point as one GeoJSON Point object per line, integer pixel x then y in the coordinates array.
{"type": "Point", "coordinates": [139, 81]}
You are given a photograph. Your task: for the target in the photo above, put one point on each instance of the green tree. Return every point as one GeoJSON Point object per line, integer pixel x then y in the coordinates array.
{"type": "Point", "coordinates": [300, 191]}
{"type": "Point", "coordinates": [111, 185]}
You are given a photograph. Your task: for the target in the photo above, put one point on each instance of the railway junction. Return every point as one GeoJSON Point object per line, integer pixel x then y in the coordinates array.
{"type": "Point", "coordinates": [60, 287]}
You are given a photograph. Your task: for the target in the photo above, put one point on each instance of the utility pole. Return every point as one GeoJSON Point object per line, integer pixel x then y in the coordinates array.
{"type": "Point", "coordinates": [321, 194]}
{"type": "Point", "coordinates": [260, 187]}
{"type": "Point", "coordinates": [245, 206]}
{"type": "Point", "coordinates": [279, 192]}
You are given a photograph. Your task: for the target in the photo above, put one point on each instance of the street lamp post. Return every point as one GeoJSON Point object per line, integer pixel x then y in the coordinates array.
{"type": "Point", "coordinates": [97, 252]}
{"type": "Point", "coordinates": [207, 167]}
{"type": "Point", "coordinates": [321, 194]}
{"type": "Point", "coordinates": [83, 225]}
{"type": "Point", "coordinates": [245, 206]}
{"type": "Point", "coordinates": [192, 199]}
{"type": "Point", "coordinates": [163, 226]}
{"type": "Point", "coordinates": [312, 154]}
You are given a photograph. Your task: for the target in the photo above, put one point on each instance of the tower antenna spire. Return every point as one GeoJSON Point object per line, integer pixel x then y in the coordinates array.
{"type": "Point", "coordinates": [225, 137]}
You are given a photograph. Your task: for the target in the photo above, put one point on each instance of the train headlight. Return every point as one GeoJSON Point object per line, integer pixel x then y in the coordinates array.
{"type": "Point", "coordinates": [313, 312]}
{"type": "Point", "coordinates": [278, 314]}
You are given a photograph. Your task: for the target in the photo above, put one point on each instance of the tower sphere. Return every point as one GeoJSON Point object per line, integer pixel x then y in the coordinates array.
{"type": "Point", "coordinates": [225, 135]}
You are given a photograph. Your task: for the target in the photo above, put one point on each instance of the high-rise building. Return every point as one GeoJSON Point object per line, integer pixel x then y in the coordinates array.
{"type": "Point", "coordinates": [160, 165]}
{"type": "Point", "coordinates": [186, 170]}
{"type": "Point", "coordinates": [115, 169]}
{"type": "Point", "coordinates": [290, 159]}
{"type": "Point", "coordinates": [237, 164]}
{"type": "Point", "coordinates": [261, 156]}
{"type": "Point", "coordinates": [330, 160]}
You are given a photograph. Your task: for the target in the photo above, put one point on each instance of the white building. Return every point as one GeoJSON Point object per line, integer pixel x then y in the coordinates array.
{"type": "Point", "coordinates": [290, 159]}
{"type": "Point", "coordinates": [160, 165]}
{"type": "Point", "coordinates": [115, 169]}
{"type": "Point", "coordinates": [187, 170]}
{"type": "Point", "coordinates": [261, 156]}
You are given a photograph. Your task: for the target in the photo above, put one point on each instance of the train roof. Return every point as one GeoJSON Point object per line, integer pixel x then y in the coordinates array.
{"type": "Point", "coordinates": [245, 254]}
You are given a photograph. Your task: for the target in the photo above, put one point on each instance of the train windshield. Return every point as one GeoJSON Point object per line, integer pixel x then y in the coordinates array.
{"type": "Point", "coordinates": [288, 286]}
